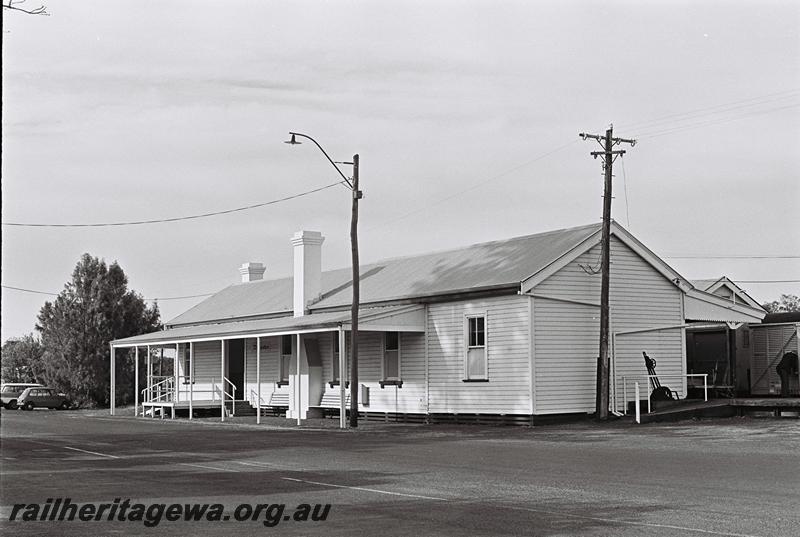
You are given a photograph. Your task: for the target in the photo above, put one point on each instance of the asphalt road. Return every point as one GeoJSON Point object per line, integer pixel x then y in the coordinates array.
{"type": "Point", "coordinates": [728, 477]}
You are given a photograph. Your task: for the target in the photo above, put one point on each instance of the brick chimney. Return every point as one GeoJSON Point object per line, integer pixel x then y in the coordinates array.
{"type": "Point", "coordinates": [307, 269]}
{"type": "Point", "coordinates": [252, 271]}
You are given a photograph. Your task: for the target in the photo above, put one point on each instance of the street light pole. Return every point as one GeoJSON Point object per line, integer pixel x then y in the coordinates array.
{"type": "Point", "coordinates": [357, 195]}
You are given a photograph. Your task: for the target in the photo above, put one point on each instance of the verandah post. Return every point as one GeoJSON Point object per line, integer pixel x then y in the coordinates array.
{"type": "Point", "coordinates": [258, 380]}
{"type": "Point", "coordinates": [297, 380]}
{"type": "Point", "coordinates": [113, 391]}
{"type": "Point", "coordinates": [191, 379]}
{"type": "Point", "coordinates": [342, 380]}
{"type": "Point", "coordinates": [136, 381]}
{"type": "Point", "coordinates": [222, 380]}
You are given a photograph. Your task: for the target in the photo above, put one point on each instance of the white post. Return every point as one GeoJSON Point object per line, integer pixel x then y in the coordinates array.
{"type": "Point", "coordinates": [222, 380]}
{"type": "Point", "coordinates": [113, 388]}
{"type": "Point", "coordinates": [705, 387]}
{"type": "Point", "coordinates": [176, 390]}
{"type": "Point", "coordinates": [342, 377]}
{"type": "Point", "coordinates": [638, 410]}
{"type": "Point", "coordinates": [258, 380]}
{"type": "Point", "coordinates": [648, 395]}
{"type": "Point", "coordinates": [297, 380]}
{"type": "Point", "coordinates": [136, 382]}
{"type": "Point", "coordinates": [191, 379]}
{"type": "Point", "coordinates": [625, 396]}
{"type": "Point", "coordinates": [149, 380]}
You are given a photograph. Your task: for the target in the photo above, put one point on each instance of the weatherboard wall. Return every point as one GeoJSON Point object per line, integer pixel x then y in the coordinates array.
{"type": "Point", "coordinates": [507, 390]}
{"type": "Point", "coordinates": [566, 320]}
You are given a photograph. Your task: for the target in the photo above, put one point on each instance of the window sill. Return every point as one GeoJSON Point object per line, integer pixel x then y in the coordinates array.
{"type": "Point", "coordinates": [282, 383]}
{"type": "Point", "coordinates": [474, 380]}
{"type": "Point", "coordinates": [384, 383]}
{"type": "Point", "coordinates": [336, 383]}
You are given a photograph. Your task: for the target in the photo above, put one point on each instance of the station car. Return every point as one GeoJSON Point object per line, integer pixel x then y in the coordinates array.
{"type": "Point", "coordinates": [10, 392]}
{"type": "Point", "coordinates": [42, 397]}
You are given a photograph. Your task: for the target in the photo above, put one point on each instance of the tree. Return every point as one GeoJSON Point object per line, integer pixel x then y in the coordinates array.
{"type": "Point", "coordinates": [94, 308]}
{"type": "Point", "coordinates": [22, 360]}
{"type": "Point", "coordinates": [14, 6]}
{"type": "Point", "coordinates": [786, 303]}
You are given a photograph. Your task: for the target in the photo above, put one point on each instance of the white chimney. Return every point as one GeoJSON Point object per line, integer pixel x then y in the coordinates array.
{"type": "Point", "coordinates": [307, 269]}
{"type": "Point", "coordinates": [252, 271]}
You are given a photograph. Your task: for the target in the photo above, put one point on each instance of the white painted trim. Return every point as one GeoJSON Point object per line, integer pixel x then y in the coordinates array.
{"type": "Point", "coordinates": [399, 357]}
{"type": "Point", "coordinates": [684, 366]}
{"type": "Point", "coordinates": [176, 376]}
{"type": "Point", "coordinates": [284, 375]}
{"type": "Point", "coordinates": [222, 379]}
{"type": "Point", "coordinates": [427, 364]}
{"type": "Point", "coordinates": [724, 281]}
{"type": "Point", "coordinates": [532, 352]}
{"type": "Point", "coordinates": [645, 253]}
{"type": "Point", "coordinates": [136, 383]}
{"type": "Point", "coordinates": [191, 379]}
{"type": "Point", "coordinates": [258, 380]}
{"type": "Point", "coordinates": [244, 373]}
{"type": "Point", "coordinates": [336, 372]}
{"type": "Point", "coordinates": [565, 259]}
{"type": "Point", "coordinates": [562, 299]}
{"type": "Point", "coordinates": [298, 383]}
{"type": "Point", "coordinates": [113, 382]}
{"type": "Point", "coordinates": [755, 315]}
{"type": "Point", "coordinates": [342, 379]}
{"type": "Point", "coordinates": [475, 314]}
{"type": "Point", "coordinates": [187, 339]}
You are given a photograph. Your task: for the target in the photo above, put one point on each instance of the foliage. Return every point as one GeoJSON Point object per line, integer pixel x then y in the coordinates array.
{"type": "Point", "coordinates": [22, 360]}
{"type": "Point", "coordinates": [94, 308]}
{"type": "Point", "coordinates": [786, 303]}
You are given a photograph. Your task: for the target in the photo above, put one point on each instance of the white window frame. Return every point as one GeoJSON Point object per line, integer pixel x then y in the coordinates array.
{"type": "Point", "coordinates": [467, 347]}
{"type": "Point", "coordinates": [399, 359]}
{"type": "Point", "coordinates": [186, 360]}
{"type": "Point", "coordinates": [335, 357]}
{"type": "Point", "coordinates": [284, 375]}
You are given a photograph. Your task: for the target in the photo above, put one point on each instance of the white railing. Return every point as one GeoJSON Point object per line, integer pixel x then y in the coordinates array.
{"type": "Point", "coordinates": [647, 380]}
{"type": "Point", "coordinates": [254, 397]}
{"type": "Point", "coordinates": [190, 391]}
{"type": "Point", "coordinates": [165, 391]}
{"type": "Point", "coordinates": [162, 391]}
{"type": "Point", "coordinates": [223, 393]}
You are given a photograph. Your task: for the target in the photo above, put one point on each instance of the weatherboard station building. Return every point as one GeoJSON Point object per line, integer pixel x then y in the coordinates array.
{"type": "Point", "coordinates": [503, 330]}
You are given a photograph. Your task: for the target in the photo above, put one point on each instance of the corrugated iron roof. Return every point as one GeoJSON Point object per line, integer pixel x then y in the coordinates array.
{"type": "Point", "coordinates": [485, 265]}
{"type": "Point", "coordinates": [259, 326]}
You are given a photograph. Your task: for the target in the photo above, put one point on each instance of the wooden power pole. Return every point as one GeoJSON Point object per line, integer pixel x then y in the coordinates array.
{"type": "Point", "coordinates": [603, 363]}
{"type": "Point", "coordinates": [356, 300]}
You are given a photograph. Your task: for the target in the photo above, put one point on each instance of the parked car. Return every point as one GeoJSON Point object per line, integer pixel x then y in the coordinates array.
{"type": "Point", "coordinates": [9, 393]}
{"type": "Point", "coordinates": [42, 397]}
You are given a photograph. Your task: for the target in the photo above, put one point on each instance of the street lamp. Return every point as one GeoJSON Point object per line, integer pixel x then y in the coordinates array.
{"type": "Point", "coordinates": [357, 195]}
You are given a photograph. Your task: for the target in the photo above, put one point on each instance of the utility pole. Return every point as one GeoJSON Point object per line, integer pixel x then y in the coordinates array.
{"type": "Point", "coordinates": [356, 300]}
{"type": "Point", "coordinates": [352, 184]}
{"type": "Point", "coordinates": [608, 155]}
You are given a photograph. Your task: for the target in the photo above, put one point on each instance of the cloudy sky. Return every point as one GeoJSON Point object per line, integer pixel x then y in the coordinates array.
{"type": "Point", "coordinates": [465, 115]}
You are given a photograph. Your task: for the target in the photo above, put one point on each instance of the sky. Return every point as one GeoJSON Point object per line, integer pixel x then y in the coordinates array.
{"type": "Point", "coordinates": [465, 115]}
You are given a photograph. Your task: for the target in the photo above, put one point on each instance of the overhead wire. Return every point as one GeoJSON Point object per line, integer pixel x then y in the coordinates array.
{"type": "Point", "coordinates": [625, 189]}
{"type": "Point", "coordinates": [681, 128]}
{"type": "Point", "coordinates": [11, 287]}
{"type": "Point", "coordinates": [716, 109]}
{"type": "Point", "coordinates": [176, 218]}
{"type": "Point", "coordinates": [472, 187]}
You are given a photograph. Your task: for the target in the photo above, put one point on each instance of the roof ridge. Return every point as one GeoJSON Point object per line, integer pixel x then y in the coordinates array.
{"type": "Point", "coordinates": [474, 245]}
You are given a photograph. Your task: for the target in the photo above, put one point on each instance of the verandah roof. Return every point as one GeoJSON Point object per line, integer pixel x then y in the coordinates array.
{"type": "Point", "coordinates": [396, 318]}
